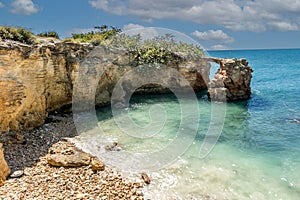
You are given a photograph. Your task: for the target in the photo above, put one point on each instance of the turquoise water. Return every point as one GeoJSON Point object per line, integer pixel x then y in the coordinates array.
{"type": "Point", "coordinates": [258, 153]}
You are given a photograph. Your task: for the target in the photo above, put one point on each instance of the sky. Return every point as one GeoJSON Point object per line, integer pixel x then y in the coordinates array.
{"type": "Point", "coordinates": [215, 24]}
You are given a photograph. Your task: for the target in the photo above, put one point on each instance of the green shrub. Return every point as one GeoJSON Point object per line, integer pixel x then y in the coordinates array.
{"type": "Point", "coordinates": [96, 37]}
{"type": "Point", "coordinates": [17, 34]}
{"type": "Point", "coordinates": [52, 34]}
{"type": "Point", "coordinates": [158, 50]}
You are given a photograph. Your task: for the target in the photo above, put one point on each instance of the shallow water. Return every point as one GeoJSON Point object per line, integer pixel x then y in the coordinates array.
{"type": "Point", "coordinates": [258, 153]}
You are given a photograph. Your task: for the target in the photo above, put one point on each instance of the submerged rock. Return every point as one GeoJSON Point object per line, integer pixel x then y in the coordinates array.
{"type": "Point", "coordinates": [115, 146]}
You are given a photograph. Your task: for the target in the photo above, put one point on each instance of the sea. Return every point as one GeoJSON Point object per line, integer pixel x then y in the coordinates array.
{"type": "Point", "coordinates": [256, 156]}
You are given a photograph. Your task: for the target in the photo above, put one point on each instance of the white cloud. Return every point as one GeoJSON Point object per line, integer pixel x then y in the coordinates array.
{"type": "Point", "coordinates": [284, 26]}
{"type": "Point", "coordinates": [239, 15]}
{"type": "Point", "coordinates": [24, 7]}
{"type": "Point", "coordinates": [2, 5]}
{"type": "Point", "coordinates": [219, 47]}
{"type": "Point", "coordinates": [135, 29]}
{"type": "Point", "coordinates": [214, 36]}
{"type": "Point", "coordinates": [132, 26]}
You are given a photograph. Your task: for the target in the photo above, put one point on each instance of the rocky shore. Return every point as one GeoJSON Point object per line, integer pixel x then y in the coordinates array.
{"type": "Point", "coordinates": [33, 175]}
{"type": "Point", "coordinates": [38, 80]}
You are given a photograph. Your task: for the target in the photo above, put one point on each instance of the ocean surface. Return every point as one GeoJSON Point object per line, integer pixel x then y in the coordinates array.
{"type": "Point", "coordinates": [257, 155]}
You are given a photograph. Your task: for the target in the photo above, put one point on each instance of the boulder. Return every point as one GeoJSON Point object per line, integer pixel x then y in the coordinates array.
{"type": "Point", "coordinates": [64, 154]}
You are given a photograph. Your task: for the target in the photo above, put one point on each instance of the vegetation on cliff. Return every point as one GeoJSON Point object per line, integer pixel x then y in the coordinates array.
{"type": "Point", "coordinates": [97, 36]}
{"type": "Point", "coordinates": [48, 34]}
{"type": "Point", "coordinates": [17, 34]}
{"type": "Point", "coordinates": [158, 50]}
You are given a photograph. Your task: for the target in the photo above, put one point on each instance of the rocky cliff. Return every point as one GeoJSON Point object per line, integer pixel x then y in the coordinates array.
{"type": "Point", "coordinates": [38, 79]}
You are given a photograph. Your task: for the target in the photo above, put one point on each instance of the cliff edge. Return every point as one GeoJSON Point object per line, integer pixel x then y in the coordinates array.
{"type": "Point", "coordinates": [38, 79]}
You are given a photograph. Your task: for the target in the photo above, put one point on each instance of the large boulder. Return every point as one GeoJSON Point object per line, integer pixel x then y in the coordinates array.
{"type": "Point", "coordinates": [65, 154]}
{"type": "Point", "coordinates": [4, 169]}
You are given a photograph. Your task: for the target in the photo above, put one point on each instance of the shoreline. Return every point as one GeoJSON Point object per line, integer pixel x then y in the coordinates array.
{"type": "Point", "coordinates": [27, 155]}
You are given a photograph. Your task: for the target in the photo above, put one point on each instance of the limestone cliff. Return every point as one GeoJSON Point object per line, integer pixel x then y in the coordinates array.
{"type": "Point", "coordinates": [37, 79]}
{"type": "Point", "coordinates": [232, 80]}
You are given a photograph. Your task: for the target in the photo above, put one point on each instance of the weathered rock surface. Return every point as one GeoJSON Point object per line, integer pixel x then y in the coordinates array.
{"type": "Point", "coordinates": [35, 80]}
{"type": "Point", "coordinates": [64, 154]}
{"type": "Point", "coordinates": [232, 81]}
{"type": "Point", "coordinates": [4, 170]}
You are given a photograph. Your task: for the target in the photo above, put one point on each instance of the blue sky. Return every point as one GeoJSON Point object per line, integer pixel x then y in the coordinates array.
{"type": "Point", "coordinates": [215, 24]}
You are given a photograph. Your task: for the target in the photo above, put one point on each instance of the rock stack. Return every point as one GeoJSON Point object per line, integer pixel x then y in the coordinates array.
{"type": "Point", "coordinates": [232, 81]}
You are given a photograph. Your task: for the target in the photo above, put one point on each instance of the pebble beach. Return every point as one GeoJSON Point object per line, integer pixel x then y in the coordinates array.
{"type": "Point", "coordinates": [33, 178]}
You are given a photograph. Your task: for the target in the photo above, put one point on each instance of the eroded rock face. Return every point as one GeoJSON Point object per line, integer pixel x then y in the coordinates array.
{"type": "Point", "coordinates": [35, 80]}
{"type": "Point", "coordinates": [232, 81]}
{"type": "Point", "coordinates": [4, 170]}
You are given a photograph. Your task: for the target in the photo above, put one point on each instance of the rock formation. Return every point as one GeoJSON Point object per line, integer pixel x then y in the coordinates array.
{"type": "Point", "coordinates": [64, 154]}
{"type": "Point", "coordinates": [4, 170]}
{"type": "Point", "coordinates": [38, 79]}
{"type": "Point", "coordinates": [232, 81]}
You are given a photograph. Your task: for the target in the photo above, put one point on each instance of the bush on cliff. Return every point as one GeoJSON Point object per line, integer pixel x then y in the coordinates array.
{"type": "Point", "coordinates": [97, 36]}
{"type": "Point", "coordinates": [17, 34]}
{"type": "Point", "coordinates": [158, 50]}
{"type": "Point", "coordinates": [52, 34]}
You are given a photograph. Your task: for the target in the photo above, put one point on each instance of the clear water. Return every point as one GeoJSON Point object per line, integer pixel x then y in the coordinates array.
{"type": "Point", "coordinates": [258, 153]}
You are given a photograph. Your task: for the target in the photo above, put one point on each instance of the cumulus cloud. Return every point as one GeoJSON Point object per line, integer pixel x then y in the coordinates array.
{"type": "Point", "coordinates": [214, 36]}
{"type": "Point", "coordinates": [1, 5]}
{"type": "Point", "coordinates": [241, 15]}
{"type": "Point", "coordinates": [24, 7]}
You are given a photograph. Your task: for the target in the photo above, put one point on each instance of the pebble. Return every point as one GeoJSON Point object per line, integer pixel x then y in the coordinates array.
{"type": "Point", "coordinates": [17, 174]}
